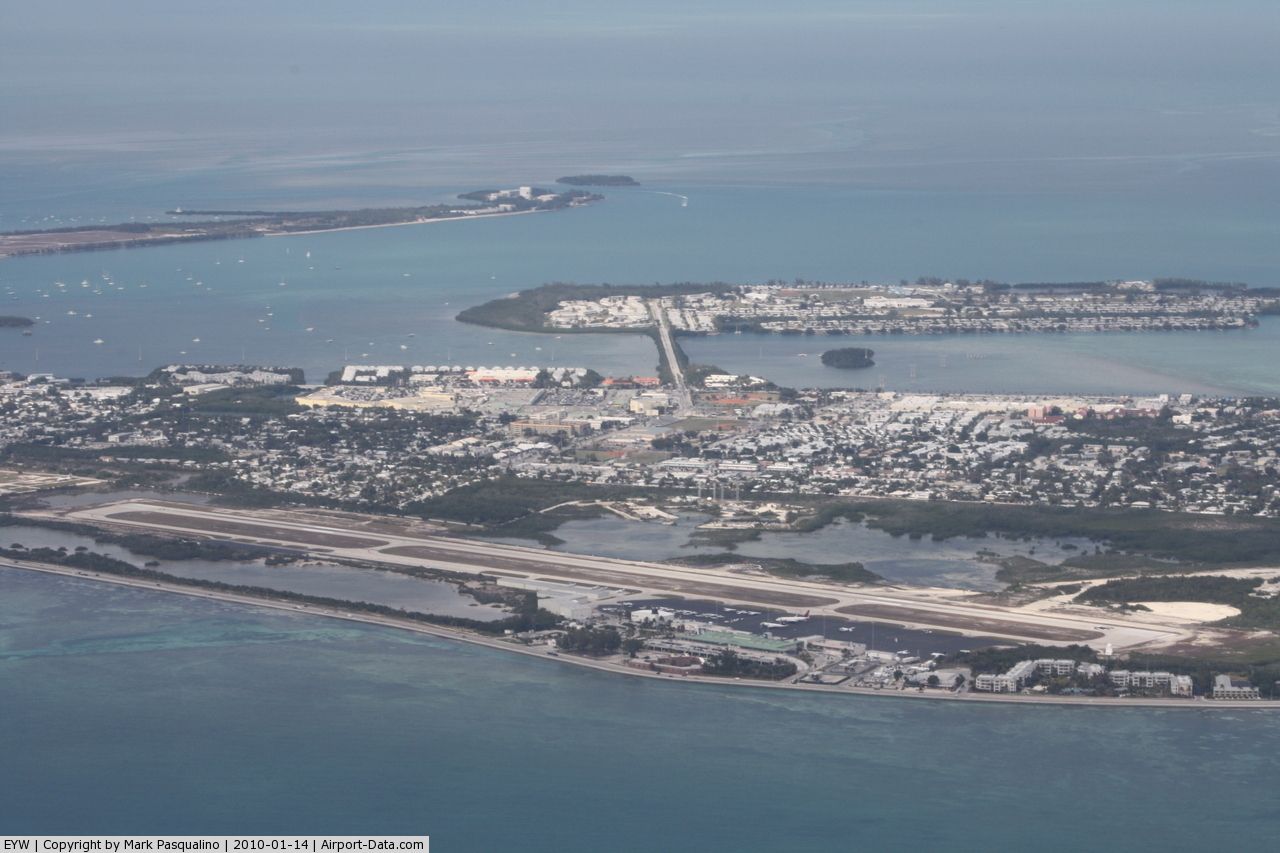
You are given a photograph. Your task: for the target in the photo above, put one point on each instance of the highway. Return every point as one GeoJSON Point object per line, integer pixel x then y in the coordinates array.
{"type": "Point", "coordinates": [347, 537]}
{"type": "Point", "coordinates": [669, 347]}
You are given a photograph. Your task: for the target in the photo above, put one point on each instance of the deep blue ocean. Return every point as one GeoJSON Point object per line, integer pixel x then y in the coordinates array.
{"type": "Point", "coordinates": [822, 139]}
{"type": "Point", "coordinates": [134, 712]}
{"type": "Point", "coordinates": [130, 712]}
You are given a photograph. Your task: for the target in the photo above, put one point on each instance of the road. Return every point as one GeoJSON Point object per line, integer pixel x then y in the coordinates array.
{"type": "Point", "coordinates": [617, 664]}
{"type": "Point", "coordinates": [685, 399]}
{"type": "Point", "coordinates": [910, 606]}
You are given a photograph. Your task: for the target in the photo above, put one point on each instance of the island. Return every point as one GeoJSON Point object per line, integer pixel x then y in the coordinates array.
{"type": "Point", "coordinates": [599, 181]}
{"type": "Point", "coordinates": [849, 358]}
{"type": "Point", "coordinates": [236, 224]}
{"type": "Point", "coordinates": [8, 321]}
{"type": "Point", "coordinates": [930, 306]}
{"type": "Point", "coordinates": [1131, 542]}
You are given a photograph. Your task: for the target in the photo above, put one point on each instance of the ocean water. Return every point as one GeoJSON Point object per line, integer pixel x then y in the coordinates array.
{"type": "Point", "coordinates": [1225, 362]}
{"type": "Point", "coordinates": [899, 559]}
{"type": "Point", "coordinates": [346, 583]}
{"type": "Point", "coordinates": [129, 711]}
{"type": "Point", "coordinates": [390, 295]}
{"type": "Point", "coordinates": [826, 140]}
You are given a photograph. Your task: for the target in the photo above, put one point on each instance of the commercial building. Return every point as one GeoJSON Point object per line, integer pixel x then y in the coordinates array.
{"type": "Point", "coordinates": [1049, 666]}
{"type": "Point", "coordinates": [1226, 687]}
{"type": "Point", "coordinates": [1010, 682]}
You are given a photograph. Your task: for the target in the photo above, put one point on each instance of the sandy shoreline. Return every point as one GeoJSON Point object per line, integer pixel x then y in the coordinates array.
{"type": "Point", "coordinates": [443, 632]}
{"type": "Point", "coordinates": [171, 239]}
{"type": "Point", "coordinates": [399, 224]}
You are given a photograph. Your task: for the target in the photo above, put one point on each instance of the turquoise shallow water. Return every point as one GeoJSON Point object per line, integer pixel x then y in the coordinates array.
{"type": "Point", "coordinates": [899, 559]}
{"type": "Point", "coordinates": [390, 295]}
{"type": "Point", "coordinates": [1209, 362]}
{"type": "Point", "coordinates": [130, 712]}
{"type": "Point", "coordinates": [1019, 141]}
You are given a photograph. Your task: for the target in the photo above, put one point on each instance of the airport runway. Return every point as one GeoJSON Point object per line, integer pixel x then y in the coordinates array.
{"type": "Point", "coordinates": [355, 537]}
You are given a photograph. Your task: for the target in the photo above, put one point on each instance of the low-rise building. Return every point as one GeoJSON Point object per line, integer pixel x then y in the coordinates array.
{"type": "Point", "coordinates": [1226, 687]}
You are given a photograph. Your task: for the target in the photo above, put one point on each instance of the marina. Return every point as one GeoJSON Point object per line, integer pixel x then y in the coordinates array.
{"type": "Point", "coordinates": [900, 472]}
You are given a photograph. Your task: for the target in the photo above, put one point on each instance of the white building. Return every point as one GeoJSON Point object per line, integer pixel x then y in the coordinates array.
{"type": "Point", "coordinates": [1224, 687]}
{"type": "Point", "coordinates": [1010, 682]}
{"type": "Point", "coordinates": [1049, 666]}
{"type": "Point", "coordinates": [656, 615]}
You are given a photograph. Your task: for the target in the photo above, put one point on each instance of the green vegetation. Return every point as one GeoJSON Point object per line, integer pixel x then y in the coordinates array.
{"type": "Point", "coordinates": [527, 310]}
{"type": "Point", "coordinates": [1256, 611]}
{"type": "Point", "coordinates": [9, 321]}
{"type": "Point", "coordinates": [1129, 540]}
{"type": "Point", "coordinates": [848, 358]}
{"type": "Point", "coordinates": [233, 224]}
{"type": "Point", "coordinates": [263, 401]}
{"type": "Point", "coordinates": [529, 618]}
{"type": "Point", "coordinates": [599, 181]}
{"type": "Point", "coordinates": [1183, 539]}
{"type": "Point", "coordinates": [1262, 670]}
{"type": "Point", "coordinates": [787, 567]}
{"type": "Point", "coordinates": [46, 454]}
{"type": "Point", "coordinates": [724, 537]}
{"type": "Point", "coordinates": [235, 492]}
{"type": "Point", "coordinates": [695, 374]}
{"type": "Point", "coordinates": [1159, 434]}
{"type": "Point", "coordinates": [729, 664]}
{"type": "Point", "coordinates": [520, 203]}
{"type": "Point", "coordinates": [505, 499]}
{"type": "Point", "coordinates": [830, 513]}
{"type": "Point", "coordinates": [590, 641]}
{"type": "Point", "coordinates": [163, 376]}
{"type": "Point", "coordinates": [541, 526]}
{"type": "Point", "coordinates": [147, 544]}
{"type": "Point", "coordinates": [1000, 659]}
{"type": "Point", "coordinates": [293, 221]}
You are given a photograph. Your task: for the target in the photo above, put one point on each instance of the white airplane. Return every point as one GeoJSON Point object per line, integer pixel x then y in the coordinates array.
{"type": "Point", "coordinates": [794, 619]}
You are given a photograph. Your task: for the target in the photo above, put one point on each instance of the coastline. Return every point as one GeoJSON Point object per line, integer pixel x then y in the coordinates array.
{"type": "Point", "coordinates": [174, 239]}
{"type": "Point", "coordinates": [442, 632]}
{"type": "Point", "coordinates": [463, 218]}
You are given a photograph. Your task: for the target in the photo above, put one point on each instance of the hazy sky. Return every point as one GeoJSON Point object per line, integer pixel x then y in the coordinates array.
{"type": "Point", "coordinates": [939, 95]}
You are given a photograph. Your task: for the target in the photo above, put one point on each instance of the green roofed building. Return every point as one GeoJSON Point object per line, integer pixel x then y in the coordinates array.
{"type": "Point", "coordinates": [754, 642]}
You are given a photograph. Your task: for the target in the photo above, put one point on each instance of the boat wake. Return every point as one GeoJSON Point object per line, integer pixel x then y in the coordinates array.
{"type": "Point", "coordinates": [684, 199]}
